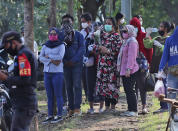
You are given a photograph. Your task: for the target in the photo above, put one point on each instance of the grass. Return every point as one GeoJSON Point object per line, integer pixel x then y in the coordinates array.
{"type": "Point", "coordinates": [147, 122]}
{"type": "Point", "coordinates": [156, 122]}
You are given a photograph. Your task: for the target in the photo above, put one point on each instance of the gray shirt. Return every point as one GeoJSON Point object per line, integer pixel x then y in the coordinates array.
{"type": "Point", "coordinates": [56, 53]}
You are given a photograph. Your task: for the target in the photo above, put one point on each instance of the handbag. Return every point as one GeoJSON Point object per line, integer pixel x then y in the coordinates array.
{"type": "Point", "coordinates": [149, 82]}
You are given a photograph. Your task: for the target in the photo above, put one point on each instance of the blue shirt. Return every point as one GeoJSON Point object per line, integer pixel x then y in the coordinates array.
{"type": "Point", "coordinates": [170, 53]}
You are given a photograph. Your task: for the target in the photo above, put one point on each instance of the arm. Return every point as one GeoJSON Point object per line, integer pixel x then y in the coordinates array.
{"type": "Point", "coordinates": [165, 57]}
{"type": "Point", "coordinates": [132, 55]}
{"type": "Point", "coordinates": [59, 55]}
{"type": "Point", "coordinates": [25, 64]}
{"type": "Point", "coordinates": [42, 57]}
{"type": "Point", "coordinates": [81, 49]}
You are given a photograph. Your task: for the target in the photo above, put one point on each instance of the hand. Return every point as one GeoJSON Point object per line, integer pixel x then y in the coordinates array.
{"type": "Point", "coordinates": [127, 74]}
{"type": "Point", "coordinates": [104, 50]}
{"type": "Point", "coordinates": [3, 76]}
{"type": "Point", "coordinates": [47, 57]}
{"type": "Point", "coordinates": [56, 62]}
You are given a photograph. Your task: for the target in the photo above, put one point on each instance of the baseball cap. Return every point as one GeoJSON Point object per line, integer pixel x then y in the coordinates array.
{"type": "Point", "coordinates": [9, 36]}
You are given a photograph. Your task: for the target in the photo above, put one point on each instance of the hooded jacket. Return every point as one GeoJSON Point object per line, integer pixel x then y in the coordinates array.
{"type": "Point", "coordinates": [170, 53]}
{"type": "Point", "coordinates": [140, 36]}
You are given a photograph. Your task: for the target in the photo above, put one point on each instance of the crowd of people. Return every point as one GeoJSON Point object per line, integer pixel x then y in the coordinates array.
{"type": "Point", "coordinates": [100, 58]}
{"type": "Point", "coordinates": [103, 57]}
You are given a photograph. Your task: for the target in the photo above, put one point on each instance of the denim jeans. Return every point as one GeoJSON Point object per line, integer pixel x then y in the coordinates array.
{"type": "Point", "coordinates": [164, 105]}
{"type": "Point", "coordinates": [72, 77]}
{"type": "Point", "coordinates": [54, 86]}
{"type": "Point", "coordinates": [129, 88]}
{"type": "Point", "coordinates": [172, 82]}
{"type": "Point", "coordinates": [91, 82]}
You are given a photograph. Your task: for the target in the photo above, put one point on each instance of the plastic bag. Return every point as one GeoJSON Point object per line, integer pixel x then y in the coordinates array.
{"type": "Point", "coordinates": [159, 88]}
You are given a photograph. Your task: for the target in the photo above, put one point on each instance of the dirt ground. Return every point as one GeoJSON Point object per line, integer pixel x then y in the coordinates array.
{"type": "Point", "coordinates": [111, 121]}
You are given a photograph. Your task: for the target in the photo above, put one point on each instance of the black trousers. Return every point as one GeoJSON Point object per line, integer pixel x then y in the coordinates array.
{"type": "Point", "coordinates": [129, 88]}
{"type": "Point", "coordinates": [110, 101]}
{"type": "Point", "coordinates": [140, 83]}
{"type": "Point", "coordinates": [21, 119]}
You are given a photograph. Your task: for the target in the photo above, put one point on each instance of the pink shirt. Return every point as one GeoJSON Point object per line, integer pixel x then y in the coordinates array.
{"type": "Point", "coordinates": [128, 60]}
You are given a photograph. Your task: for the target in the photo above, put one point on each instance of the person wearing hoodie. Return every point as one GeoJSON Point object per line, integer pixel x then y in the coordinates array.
{"type": "Point", "coordinates": [140, 36]}
{"type": "Point", "coordinates": [157, 44]}
{"type": "Point", "coordinates": [170, 58]}
{"type": "Point", "coordinates": [73, 62]}
{"type": "Point", "coordinates": [128, 68]}
{"type": "Point", "coordinates": [51, 56]}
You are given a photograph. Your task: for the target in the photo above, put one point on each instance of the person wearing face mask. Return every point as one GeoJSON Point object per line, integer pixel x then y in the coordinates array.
{"type": "Point", "coordinates": [51, 56]}
{"type": "Point", "coordinates": [90, 71]}
{"type": "Point", "coordinates": [128, 68]}
{"type": "Point", "coordinates": [107, 75]}
{"type": "Point", "coordinates": [141, 22]}
{"type": "Point", "coordinates": [22, 83]}
{"type": "Point", "coordinates": [120, 20]}
{"type": "Point", "coordinates": [87, 32]}
{"type": "Point", "coordinates": [73, 64]}
{"type": "Point", "coordinates": [157, 44]}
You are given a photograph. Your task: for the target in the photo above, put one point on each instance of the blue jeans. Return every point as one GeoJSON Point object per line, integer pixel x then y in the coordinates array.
{"type": "Point", "coordinates": [54, 86]}
{"type": "Point", "coordinates": [73, 85]}
{"type": "Point", "coordinates": [164, 105]}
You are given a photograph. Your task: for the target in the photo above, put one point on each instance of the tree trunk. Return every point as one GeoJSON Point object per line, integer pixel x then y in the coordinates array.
{"type": "Point", "coordinates": [52, 14]}
{"type": "Point", "coordinates": [52, 23]}
{"type": "Point", "coordinates": [110, 7]}
{"type": "Point", "coordinates": [29, 40]}
{"type": "Point", "coordinates": [70, 7]}
{"type": "Point", "coordinates": [28, 23]}
{"type": "Point", "coordinates": [92, 6]}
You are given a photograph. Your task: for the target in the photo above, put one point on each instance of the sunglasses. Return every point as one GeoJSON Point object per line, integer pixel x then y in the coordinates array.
{"type": "Point", "coordinates": [52, 34]}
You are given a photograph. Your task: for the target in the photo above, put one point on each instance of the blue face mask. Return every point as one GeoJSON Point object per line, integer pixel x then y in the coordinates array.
{"type": "Point", "coordinates": [108, 28]}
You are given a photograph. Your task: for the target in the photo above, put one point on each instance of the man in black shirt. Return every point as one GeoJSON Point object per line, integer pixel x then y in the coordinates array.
{"type": "Point", "coordinates": [22, 83]}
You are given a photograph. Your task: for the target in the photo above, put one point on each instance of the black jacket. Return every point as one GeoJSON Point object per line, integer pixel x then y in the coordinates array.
{"type": "Point", "coordinates": [23, 82]}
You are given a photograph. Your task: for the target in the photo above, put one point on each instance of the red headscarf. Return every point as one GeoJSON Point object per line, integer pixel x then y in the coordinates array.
{"type": "Point", "coordinates": [140, 36]}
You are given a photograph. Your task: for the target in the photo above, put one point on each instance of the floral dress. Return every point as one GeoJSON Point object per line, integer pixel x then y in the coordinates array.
{"type": "Point", "coordinates": [107, 75]}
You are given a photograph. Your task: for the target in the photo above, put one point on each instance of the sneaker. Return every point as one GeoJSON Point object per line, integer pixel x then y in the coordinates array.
{"type": "Point", "coordinates": [77, 112]}
{"type": "Point", "coordinates": [91, 111]}
{"type": "Point", "coordinates": [70, 113]}
{"type": "Point", "coordinates": [124, 114]}
{"type": "Point", "coordinates": [129, 113]}
{"type": "Point", "coordinates": [144, 111]}
{"type": "Point", "coordinates": [56, 119]}
{"type": "Point", "coordinates": [48, 119]}
{"type": "Point", "coordinates": [101, 110]}
{"type": "Point", "coordinates": [160, 111]}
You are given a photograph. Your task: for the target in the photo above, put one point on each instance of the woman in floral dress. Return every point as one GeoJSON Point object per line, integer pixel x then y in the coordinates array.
{"type": "Point", "coordinates": [107, 75]}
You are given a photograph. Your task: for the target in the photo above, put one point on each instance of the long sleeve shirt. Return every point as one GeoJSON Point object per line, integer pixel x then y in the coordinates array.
{"type": "Point", "coordinates": [56, 53]}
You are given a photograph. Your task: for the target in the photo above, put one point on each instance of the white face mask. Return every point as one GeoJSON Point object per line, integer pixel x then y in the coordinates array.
{"type": "Point", "coordinates": [122, 21]}
{"type": "Point", "coordinates": [84, 25]}
{"type": "Point", "coordinates": [136, 30]}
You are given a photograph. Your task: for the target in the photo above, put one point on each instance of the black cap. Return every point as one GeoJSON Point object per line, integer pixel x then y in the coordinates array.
{"type": "Point", "coordinates": [9, 36]}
